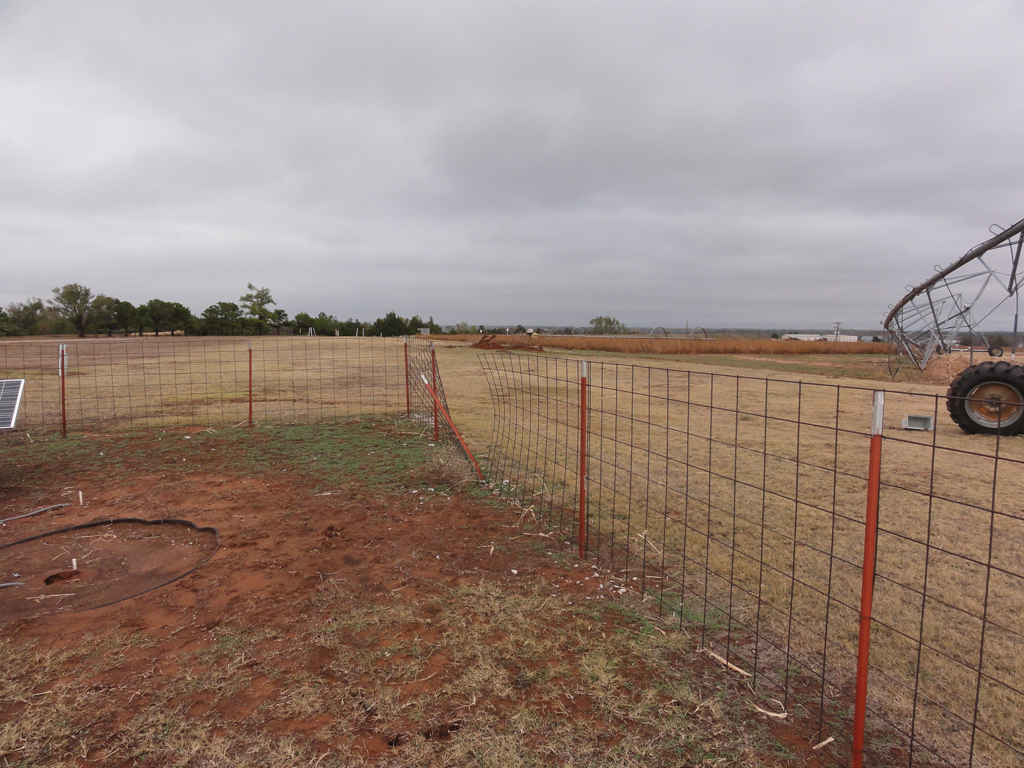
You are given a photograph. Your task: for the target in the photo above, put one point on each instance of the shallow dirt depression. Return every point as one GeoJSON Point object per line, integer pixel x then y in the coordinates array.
{"type": "Point", "coordinates": [98, 563]}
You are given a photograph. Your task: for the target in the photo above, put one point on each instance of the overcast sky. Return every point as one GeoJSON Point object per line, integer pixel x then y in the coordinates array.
{"type": "Point", "coordinates": [750, 163]}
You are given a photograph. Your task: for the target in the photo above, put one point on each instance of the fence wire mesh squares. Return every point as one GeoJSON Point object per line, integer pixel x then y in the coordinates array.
{"type": "Point", "coordinates": [133, 383]}
{"type": "Point", "coordinates": [737, 505]}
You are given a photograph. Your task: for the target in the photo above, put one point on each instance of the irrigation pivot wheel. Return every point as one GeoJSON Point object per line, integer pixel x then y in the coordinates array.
{"type": "Point", "coordinates": [988, 398]}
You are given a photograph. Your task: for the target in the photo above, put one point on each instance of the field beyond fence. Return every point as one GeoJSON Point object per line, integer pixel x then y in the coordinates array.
{"type": "Point", "coordinates": [668, 345]}
{"type": "Point", "coordinates": [129, 384]}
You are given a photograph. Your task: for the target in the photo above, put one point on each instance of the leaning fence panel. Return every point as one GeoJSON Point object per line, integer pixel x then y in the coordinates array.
{"type": "Point", "coordinates": [535, 444]}
{"type": "Point", "coordinates": [738, 504]}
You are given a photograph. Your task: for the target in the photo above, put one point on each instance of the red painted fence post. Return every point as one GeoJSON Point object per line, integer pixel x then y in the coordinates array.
{"type": "Point", "coordinates": [250, 384]}
{"type": "Point", "coordinates": [433, 386]}
{"type": "Point", "coordinates": [408, 406]}
{"type": "Point", "coordinates": [582, 526]}
{"type": "Point", "coordinates": [868, 579]}
{"type": "Point", "coordinates": [63, 365]}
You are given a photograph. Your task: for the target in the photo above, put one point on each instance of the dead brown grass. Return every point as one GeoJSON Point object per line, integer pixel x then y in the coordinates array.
{"type": "Point", "coordinates": [646, 345]}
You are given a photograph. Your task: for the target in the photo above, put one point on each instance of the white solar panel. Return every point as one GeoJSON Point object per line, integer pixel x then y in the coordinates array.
{"type": "Point", "coordinates": [10, 399]}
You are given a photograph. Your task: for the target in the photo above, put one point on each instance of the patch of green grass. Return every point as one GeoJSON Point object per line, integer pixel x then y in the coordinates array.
{"type": "Point", "coordinates": [386, 454]}
{"type": "Point", "coordinates": [383, 453]}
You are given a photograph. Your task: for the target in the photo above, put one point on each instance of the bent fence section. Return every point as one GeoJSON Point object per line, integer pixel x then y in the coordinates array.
{"type": "Point", "coordinates": [739, 506]}
{"type": "Point", "coordinates": [125, 384]}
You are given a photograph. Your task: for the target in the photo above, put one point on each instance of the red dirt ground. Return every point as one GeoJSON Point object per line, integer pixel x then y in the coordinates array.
{"type": "Point", "coordinates": [282, 545]}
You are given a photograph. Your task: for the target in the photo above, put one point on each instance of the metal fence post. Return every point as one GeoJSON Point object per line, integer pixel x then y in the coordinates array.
{"type": "Point", "coordinates": [408, 404]}
{"type": "Point", "coordinates": [868, 578]}
{"type": "Point", "coordinates": [433, 385]}
{"type": "Point", "coordinates": [250, 383]}
{"type": "Point", "coordinates": [582, 526]}
{"type": "Point", "coordinates": [62, 371]}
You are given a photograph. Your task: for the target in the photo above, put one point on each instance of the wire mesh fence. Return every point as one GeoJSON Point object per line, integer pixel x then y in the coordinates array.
{"type": "Point", "coordinates": [125, 384]}
{"type": "Point", "coordinates": [739, 506]}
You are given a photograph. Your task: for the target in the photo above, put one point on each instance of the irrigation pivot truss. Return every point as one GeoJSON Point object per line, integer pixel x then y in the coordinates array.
{"type": "Point", "coordinates": [934, 316]}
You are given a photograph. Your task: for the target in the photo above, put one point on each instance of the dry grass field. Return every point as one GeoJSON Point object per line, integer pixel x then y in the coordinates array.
{"type": "Point", "coordinates": [642, 345]}
{"type": "Point", "coordinates": [131, 383]}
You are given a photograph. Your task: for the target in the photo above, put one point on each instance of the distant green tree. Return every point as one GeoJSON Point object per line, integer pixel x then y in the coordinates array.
{"type": "Point", "coordinates": [25, 316]}
{"type": "Point", "coordinates": [352, 327]}
{"type": "Point", "coordinates": [303, 322]}
{"type": "Point", "coordinates": [76, 304]}
{"type": "Point", "coordinates": [5, 324]}
{"type": "Point", "coordinates": [278, 320]}
{"type": "Point", "coordinates": [103, 315]}
{"type": "Point", "coordinates": [179, 317]}
{"type": "Point", "coordinates": [323, 324]}
{"type": "Point", "coordinates": [607, 326]}
{"type": "Point", "coordinates": [255, 305]}
{"type": "Point", "coordinates": [142, 320]}
{"type": "Point", "coordinates": [222, 319]}
{"type": "Point", "coordinates": [390, 325]}
{"type": "Point", "coordinates": [158, 313]}
{"type": "Point", "coordinates": [124, 315]}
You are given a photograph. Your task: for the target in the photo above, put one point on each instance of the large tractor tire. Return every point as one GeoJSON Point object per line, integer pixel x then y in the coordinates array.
{"type": "Point", "coordinates": [988, 399]}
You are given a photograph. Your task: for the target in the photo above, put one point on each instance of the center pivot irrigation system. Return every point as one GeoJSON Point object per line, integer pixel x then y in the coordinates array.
{"type": "Point", "coordinates": [937, 315]}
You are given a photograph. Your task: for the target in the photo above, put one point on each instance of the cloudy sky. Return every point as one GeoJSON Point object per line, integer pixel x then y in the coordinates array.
{"type": "Point", "coordinates": [755, 163]}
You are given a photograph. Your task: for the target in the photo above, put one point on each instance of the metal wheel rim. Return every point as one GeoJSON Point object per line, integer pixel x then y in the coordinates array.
{"type": "Point", "coordinates": [994, 404]}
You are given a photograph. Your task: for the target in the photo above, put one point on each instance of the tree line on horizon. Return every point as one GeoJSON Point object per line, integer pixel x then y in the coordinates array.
{"type": "Point", "coordinates": [75, 308]}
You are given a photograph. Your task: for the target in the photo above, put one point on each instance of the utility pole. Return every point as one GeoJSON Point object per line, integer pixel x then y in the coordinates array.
{"type": "Point", "coordinates": [836, 336]}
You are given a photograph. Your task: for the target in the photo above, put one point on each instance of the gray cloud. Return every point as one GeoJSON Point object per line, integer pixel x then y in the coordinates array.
{"type": "Point", "coordinates": [729, 163]}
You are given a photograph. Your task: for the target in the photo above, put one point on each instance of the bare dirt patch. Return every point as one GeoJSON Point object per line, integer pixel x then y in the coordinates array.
{"type": "Point", "coordinates": [366, 607]}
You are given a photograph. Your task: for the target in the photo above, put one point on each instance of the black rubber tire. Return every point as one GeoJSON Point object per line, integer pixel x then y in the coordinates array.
{"type": "Point", "coordinates": [995, 351]}
{"type": "Point", "coordinates": [988, 399]}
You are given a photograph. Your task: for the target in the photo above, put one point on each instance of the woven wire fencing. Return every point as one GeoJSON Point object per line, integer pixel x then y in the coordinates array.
{"type": "Point", "coordinates": [125, 384]}
{"type": "Point", "coordinates": [737, 505]}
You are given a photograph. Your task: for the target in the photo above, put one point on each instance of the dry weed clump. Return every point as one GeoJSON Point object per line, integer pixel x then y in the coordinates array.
{"type": "Point", "coordinates": [450, 466]}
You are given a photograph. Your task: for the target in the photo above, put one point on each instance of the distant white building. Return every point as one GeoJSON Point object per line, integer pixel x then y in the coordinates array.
{"type": "Point", "coordinates": [819, 337]}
